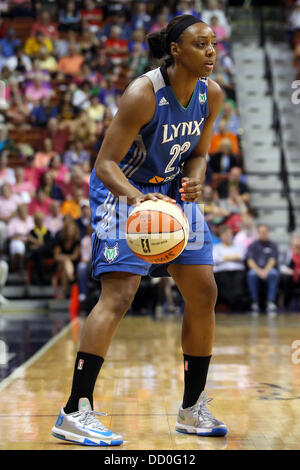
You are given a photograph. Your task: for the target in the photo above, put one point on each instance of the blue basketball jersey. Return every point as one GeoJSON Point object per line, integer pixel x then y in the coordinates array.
{"type": "Point", "coordinates": [153, 164]}
{"type": "Point", "coordinates": [165, 143]}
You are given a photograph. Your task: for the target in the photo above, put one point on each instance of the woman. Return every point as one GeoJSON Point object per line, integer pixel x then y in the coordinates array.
{"type": "Point", "coordinates": [67, 255]}
{"type": "Point", "coordinates": [59, 170]}
{"type": "Point", "coordinates": [248, 232]}
{"type": "Point", "coordinates": [213, 213]}
{"type": "Point", "coordinates": [39, 246]}
{"type": "Point", "coordinates": [95, 111]}
{"type": "Point", "coordinates": [89, 43]}
{"type": "Point", "coordinates": [7, 174]}
{"type": "Point", "coordinates": [137, 61]}
{"type": "Point", "coordinates": [40, 202]}
{"type": "Point", "coordinates": [44, 156]}
{"type": "Point", "coordinates": [229, 271]}
{"type": "Point", "coordinates": [37, 90]}
{"type": "Point", "coordinates": [25, 189]}
{"type": "Point", "coordinates": [70, 18]}
{"type": "Point", "coordinates": [18, 229]}
{"type": "Point", "coordinates": [18, 114]}
{"type": "Point", "coordinates": [52, 190]}
{"type": "Point", "coordinates": [83, 128]}
{"type": "Point", "coordinates": [235, 208]}
{"type": "Point", "coordinates": [66, 111]}
{"type": "Point", "coordinates": [42, 111]}
{"type": "Point", "coordinates": [170, 94]}
{"type": "Point", "coordinates": [76, 155]}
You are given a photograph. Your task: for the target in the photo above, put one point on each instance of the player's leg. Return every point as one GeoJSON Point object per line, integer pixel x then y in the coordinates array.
{"type": "Point", "coordinates": [198, 288]}
{"type": "Point", "coordinates": [76, 421]}
{"type": "Point", "coordinates": [117, 293]}
{"type": "Point", "coordinates": [67, 274]}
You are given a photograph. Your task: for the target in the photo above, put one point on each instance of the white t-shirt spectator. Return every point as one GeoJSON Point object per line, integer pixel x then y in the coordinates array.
{"type": "Point", "coordinates": [7, 175]}
{"type": "Point", "coordinates": [220, 251]}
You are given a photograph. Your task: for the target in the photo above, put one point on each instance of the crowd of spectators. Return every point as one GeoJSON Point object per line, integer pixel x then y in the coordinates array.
{"type": "Point", "coordinates": [63, 81]}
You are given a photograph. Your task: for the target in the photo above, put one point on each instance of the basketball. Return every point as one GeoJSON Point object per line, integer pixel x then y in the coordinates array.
{"type": "Point", "coordinates": [157, 231]}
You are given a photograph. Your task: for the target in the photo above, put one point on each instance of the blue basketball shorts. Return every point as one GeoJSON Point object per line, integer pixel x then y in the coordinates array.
{"type": "Point", "coordinates": [109, 214]}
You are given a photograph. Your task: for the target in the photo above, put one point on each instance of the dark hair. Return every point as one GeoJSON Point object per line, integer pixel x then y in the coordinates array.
{"type": "Point", "coordinates": [159, 43]}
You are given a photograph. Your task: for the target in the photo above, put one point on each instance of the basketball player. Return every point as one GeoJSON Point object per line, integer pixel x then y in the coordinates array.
{"type": "Point", "coordinates": [155, 148]}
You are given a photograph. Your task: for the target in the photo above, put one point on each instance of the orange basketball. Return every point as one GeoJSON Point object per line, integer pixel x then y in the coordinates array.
{"type": "Point", "coordinates": [157, 231]}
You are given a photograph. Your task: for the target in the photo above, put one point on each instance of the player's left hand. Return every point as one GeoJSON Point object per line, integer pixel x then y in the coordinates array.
{"type": "Point", "coordinates": [191, 189]}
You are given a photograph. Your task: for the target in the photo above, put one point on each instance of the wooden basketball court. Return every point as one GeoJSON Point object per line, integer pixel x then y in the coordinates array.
{"type": "Point", "coordinates": [254, 379]}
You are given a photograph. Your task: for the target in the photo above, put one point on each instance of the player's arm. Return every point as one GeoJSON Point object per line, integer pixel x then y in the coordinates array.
{"type": "Point", "coordinates": [195, 166]}
{"type": "Point", "coordinates": [136, 109]}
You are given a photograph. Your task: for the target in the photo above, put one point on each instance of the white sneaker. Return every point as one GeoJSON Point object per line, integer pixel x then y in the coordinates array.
{"type": "Point", "coordinates": [255, 309]}
{"type": "Point", "coordinates": [271, 309]}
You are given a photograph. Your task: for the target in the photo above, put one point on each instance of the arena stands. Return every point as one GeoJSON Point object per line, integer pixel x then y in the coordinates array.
{"type": "Point", "coordinates": [64, 66]}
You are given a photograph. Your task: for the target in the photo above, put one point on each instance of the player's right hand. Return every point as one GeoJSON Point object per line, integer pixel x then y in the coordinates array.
{"type": "Point", "coordinates": [154, 197]}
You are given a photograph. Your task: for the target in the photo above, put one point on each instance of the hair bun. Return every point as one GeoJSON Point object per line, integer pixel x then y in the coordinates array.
{"type": "Point", "coordinates": [157, 44]}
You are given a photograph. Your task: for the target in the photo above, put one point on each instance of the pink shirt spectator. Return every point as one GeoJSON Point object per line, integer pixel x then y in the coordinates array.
{"type": "Point", "coordinates": [220, 31]}
{"type": "Point", "coordinates": [19, 227]}
{"type": "Point", "coordinates": [61, 176]}
{"type": "Point", "coordinates": [34, 93]}
{"type": "Point", "coordinates": [24, 190]}
{"type": "Point", "coordinates": [221, 34]}
{"type": "Point", "coordinates": [33, 175]}
{"type": "Point", "coordinates": [9, 206]}
{"type": "Point", "coordinates": [53, 224]}
{"type": "Point", "coordinates": [36, 206]}
{"type": "Point", "coordinates": [244, 240]}
{"type": "Point", "coordinates": [42, 159]}
{"type": "Point", "coordinates": [49, 30]}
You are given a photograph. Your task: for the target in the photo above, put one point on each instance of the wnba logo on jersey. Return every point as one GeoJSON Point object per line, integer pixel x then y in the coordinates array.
{"type": "Point", "coordinates": [182, 129]}
{"type": "Point", "coordinates": [202, 98]}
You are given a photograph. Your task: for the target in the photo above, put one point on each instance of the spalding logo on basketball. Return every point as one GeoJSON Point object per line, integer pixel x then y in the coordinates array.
{"type": "Point", "coordinates": [157, 231]}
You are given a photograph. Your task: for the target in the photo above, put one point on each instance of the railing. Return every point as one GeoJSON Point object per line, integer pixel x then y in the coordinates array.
{"type": "Point", "coordinates": [276, 125]}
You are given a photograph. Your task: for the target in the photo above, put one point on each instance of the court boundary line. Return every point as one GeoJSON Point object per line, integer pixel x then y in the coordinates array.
{"type": "Point", "coordinates": [19, 371]}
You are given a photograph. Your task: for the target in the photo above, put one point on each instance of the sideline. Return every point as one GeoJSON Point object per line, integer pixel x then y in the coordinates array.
{"type": "Point", "coordinates": [19, 371]}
